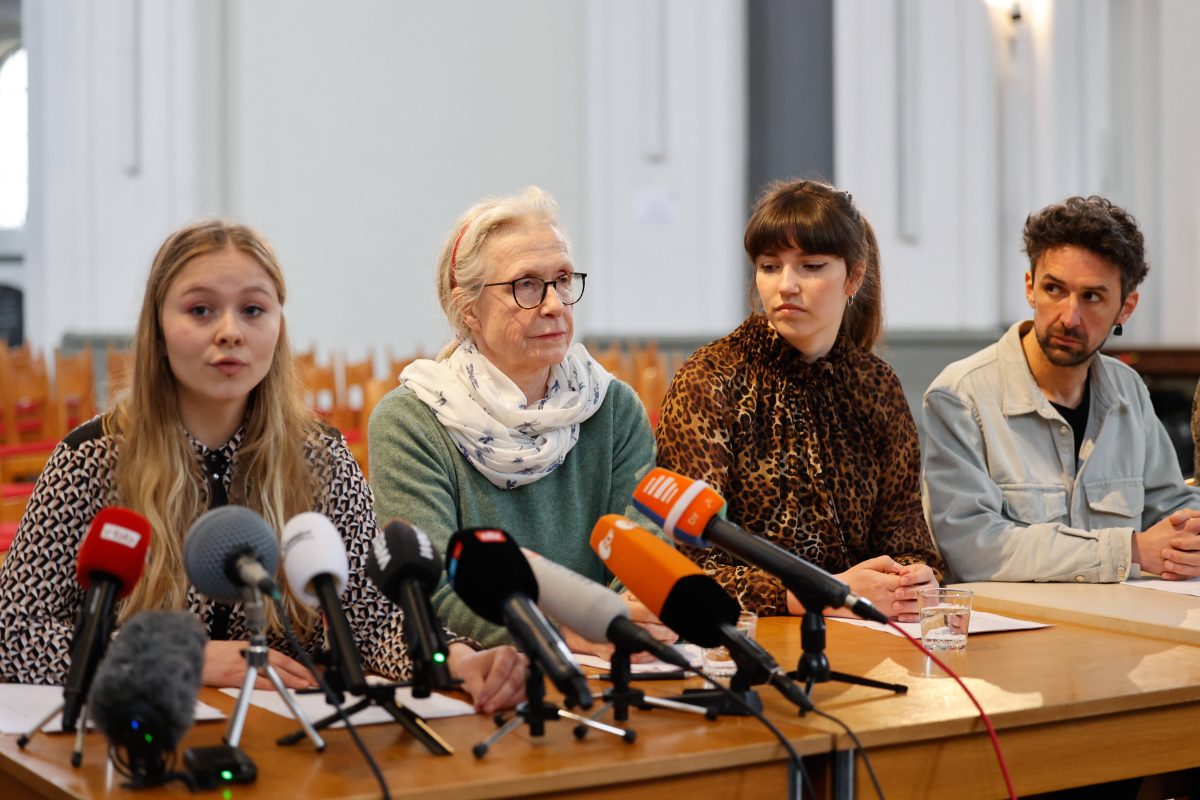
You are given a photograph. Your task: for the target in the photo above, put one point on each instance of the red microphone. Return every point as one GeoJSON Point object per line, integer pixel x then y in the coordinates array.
{"type": "Point", "coordinates": [111, 558]}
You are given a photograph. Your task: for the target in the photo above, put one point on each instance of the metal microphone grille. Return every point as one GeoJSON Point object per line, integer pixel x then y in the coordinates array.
{"type": "Point", "coordinates": [217, 536]}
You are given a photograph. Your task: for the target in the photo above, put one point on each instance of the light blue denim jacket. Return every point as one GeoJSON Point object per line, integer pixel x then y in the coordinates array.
{"type": "Point", "coordinates": [1001, 492]}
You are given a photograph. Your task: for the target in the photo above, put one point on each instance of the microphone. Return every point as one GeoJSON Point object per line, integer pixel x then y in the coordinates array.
{"type": "Point", "coordinates": [685, 598]}
{"type": "Point", "coordinates": [316, 566]}
{"type": "Point", "coordinates": [145, 690]}
{"type": "Point", "coordinates": [228, 549]}
{"type": "Point", "coordinates": [595, 612]}
{"type": "Point", "coordinates": [489, 572]}
{"type": "Point", "coordinates": [406, 567]}
{"type": "Point", "coordinates": [111, 558]}
{"type": "Point", "coordinates": [690, 512]}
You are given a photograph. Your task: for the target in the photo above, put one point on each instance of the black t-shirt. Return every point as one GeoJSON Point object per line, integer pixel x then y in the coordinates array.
{"type": "Point", "coordinates": [1077, 417]}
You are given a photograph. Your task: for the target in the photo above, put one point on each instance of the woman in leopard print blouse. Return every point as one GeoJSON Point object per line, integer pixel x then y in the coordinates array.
{"type": "Point", "coordinates": [214, 415]}
{"type": "Point", "coordinates": [797, 424]}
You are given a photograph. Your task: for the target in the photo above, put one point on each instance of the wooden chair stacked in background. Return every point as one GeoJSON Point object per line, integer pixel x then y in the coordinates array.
{"type": "Point", "coordinates": [646, 367]}
{"type": "Point", "coordinates": [345, 392]}
{"type": "Point", "coordinates": [35, 414]}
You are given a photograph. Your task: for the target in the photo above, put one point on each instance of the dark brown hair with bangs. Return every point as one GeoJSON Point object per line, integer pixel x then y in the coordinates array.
{"type": "Point", "coordinates": [822, 220]}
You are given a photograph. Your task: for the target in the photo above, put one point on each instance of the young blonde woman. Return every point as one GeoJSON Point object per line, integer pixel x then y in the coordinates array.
{"type": "Point", "coordinates": [214, 416]}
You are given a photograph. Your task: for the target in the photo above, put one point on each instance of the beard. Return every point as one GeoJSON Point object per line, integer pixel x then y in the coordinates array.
{"type": "Point", "coordinates": [1066, 356]}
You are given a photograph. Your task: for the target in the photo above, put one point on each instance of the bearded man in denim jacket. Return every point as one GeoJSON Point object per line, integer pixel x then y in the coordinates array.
{"type": "Point", "coordinates": [1044, 460]}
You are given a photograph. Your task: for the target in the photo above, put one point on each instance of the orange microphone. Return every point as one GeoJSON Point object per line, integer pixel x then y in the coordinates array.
{"type": "Point", "coordinates": [692, 513]}
{"type": "Point", "coordinates": [679, 593]}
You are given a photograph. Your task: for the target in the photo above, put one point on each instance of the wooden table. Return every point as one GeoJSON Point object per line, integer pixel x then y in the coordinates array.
{"type": "Point", "coordinates": [1113, 606]}
{"type": "Point", "coordinates": [1074, 704]}
{"type": "Point", "coordinates": [674, 753]}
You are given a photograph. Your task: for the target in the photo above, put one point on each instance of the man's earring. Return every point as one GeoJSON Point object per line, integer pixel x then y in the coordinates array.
{"type": "Point", "coordinates": [1118, 329]}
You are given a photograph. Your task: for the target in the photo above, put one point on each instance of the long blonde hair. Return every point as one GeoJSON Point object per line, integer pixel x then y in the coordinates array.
{"type": "Point", "coordinates": [158, 474]}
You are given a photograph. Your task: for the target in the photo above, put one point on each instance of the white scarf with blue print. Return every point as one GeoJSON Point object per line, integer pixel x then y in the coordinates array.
{"type": "Point", "coordinates": [510, 441]}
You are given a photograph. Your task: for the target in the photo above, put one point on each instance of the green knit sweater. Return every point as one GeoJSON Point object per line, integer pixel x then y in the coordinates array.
{"type": "Point", "coordinates": [418, 475]}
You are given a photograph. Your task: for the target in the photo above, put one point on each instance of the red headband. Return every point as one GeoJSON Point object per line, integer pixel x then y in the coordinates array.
{"type": "Point", "coordinates": [454, 258]}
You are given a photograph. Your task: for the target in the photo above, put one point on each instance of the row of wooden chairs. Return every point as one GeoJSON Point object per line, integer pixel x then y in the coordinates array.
{"type": "Point", "coordinates": [36, 411]}
{"type": "Point", "coordinates": [344, 392]}
{"type": "Point", "coordinates": [646, 367]}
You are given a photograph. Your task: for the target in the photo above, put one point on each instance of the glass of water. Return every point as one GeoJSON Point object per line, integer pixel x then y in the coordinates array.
{"type": "Point", "coordinates": [945, 617]}
{"type": "Point", "coordinates": [718, 661]}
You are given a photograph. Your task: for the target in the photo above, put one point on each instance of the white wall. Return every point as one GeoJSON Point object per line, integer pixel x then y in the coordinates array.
{"type": "Point", "coordinates": [353, 134]}
{"type": "Point", "coordinates": [1078, 97]}
{"type": "Point", "coordinates": [358, 132]}
{"type": "Point", "coordinates": [357, 164]}
{"type": "Point", "coordinates": [125, 127]}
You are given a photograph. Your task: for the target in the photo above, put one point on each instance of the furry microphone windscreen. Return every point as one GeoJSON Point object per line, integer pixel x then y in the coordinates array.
{"type": "Point", "coordinates": [144, 693]}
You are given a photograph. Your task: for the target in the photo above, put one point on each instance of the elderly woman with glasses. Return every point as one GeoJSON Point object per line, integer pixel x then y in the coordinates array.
{"type": "Point", "coordinates": [512, 426]}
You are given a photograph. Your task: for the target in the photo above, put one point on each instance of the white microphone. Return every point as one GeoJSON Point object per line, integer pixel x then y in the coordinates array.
{"type": "Point", "coordinates": [316, 567]}
{"type": "Point", "coordinates": [595, 612]}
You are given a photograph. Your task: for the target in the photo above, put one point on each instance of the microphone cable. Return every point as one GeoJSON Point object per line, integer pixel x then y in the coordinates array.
{"type": "Point", "coordinates": [1012, 793]}
{"type": "Point", "coordinates": [792, 754]}
{"type": "Point", "coordinates": [858, 745]}
{"type": "Point", "coordinates": [330, 697]}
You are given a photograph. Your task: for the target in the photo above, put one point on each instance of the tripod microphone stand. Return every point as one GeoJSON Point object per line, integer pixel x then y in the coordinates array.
{"type": "Point", "coordinates": [257, 660]}
{"type": "Point", "coordinates": [536, 712]}
{"type": "Point", "coordinates": [80, 730]}
{"type": "Point", "coordinates": [382, 695]}
{"type": "Point", "coordinates": [621, 697]}
{"type": "Point", "coordinates": [813, 666]}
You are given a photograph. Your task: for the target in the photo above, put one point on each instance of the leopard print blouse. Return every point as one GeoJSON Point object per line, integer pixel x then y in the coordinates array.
{"type": "Point", "coordinates": [39, 596]}
{"type": "Point", "coordinates": [821, 459]}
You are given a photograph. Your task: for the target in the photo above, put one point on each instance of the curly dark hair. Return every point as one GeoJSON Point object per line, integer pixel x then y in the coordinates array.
{"type": "Point", "coordinates": [1095, 224]}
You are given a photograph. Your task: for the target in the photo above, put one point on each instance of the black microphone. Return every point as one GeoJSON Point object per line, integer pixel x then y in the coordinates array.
{"type": "Point", "coordinates": [689, 511]}
{"type": "Point", "coordinates": [229, 549]}
{"type": "Point", "coordinates": [489, 572]}
{"type": "Point", "coordinates": [406, 567]}
{"type": "Point", "coordinates": [595, 612]}
{"type": "Point", "coordinates": [144, 694]}
{"type": "Point", "coordinates": [111, 558]}
{"type": "Point", "coordinates": [316, 566]}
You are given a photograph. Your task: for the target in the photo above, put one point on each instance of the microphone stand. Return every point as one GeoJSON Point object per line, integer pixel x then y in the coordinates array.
{"type": "Point", "coordinates": [80, 730]}
{"type": "Point", "coordinates": [382, 695]}
{"type": "Point", "coordinates": [621, 697]}
{"type": "Point", "coordinates": [537, 712]}
{"type": "Point", "coordinates": [813, 666]}
{"type": "Point", "coordinates": [257, 660]}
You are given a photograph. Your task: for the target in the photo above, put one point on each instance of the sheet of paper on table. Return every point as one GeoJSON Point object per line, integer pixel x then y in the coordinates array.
{"type": "Point", "coordinates": [315, 707]}
{"type": "Point", "coordinates": [22, 706]}
{"type": "Point", "coordinates": [981, 622]}
{"type": "Point", "coordinates": [1191, 586]}
{"type": "Point", "coordinates": [690, 651]}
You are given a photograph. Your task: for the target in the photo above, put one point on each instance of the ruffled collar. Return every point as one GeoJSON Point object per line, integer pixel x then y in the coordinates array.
{"type": "Point", "coordinates": [762, 343]}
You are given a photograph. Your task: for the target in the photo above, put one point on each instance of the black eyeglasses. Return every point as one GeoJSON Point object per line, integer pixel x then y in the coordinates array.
{"type": "Point", "coordinates": [531, 292]}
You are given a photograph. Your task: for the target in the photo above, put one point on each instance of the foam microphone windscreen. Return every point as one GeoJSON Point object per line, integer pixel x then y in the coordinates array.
{"type": "Point", "coordinates": [682, 507]}
{"type": "Point", "coordinates": [312, 546]}
{"type": "Point", "coordinates": [144, 693]}
{"type": "Point", "coordinates": [485, 566]}
{"type": "Point", "coordinates": [218, 538]}
{"type": "Point", "coordinates": [683, 596]}
{"type": "Point", "coordinates": [402, 550]}
{"type": "Point", "coordinates": [116, 544]}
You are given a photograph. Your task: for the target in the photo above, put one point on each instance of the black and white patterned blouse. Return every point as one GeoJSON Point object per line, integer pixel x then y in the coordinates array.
{"type": "Point", "coordinates": [39, 595]}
